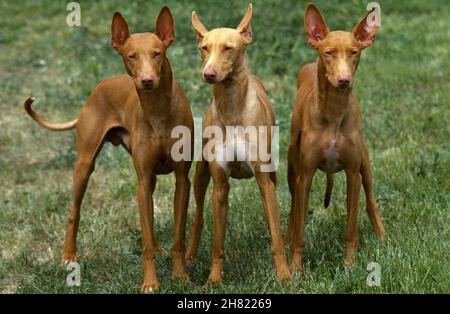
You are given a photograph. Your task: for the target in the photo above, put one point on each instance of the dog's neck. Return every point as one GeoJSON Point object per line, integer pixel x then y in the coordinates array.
{"type": "Point", "coordinates": [230, 95]}
{"type": "Point", "coordinates": [333, 103]}
{"type": "Point", "coordinates": [156, 104]}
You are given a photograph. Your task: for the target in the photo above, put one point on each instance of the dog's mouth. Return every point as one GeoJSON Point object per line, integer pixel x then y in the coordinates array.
{"type": "Point", "coordinates": [226, 79]}
{"type": "Point", "coordinates": [344, 88]}
{"type": "Point", "coordinates": [144, 88]}
{"type": "Point", "coordinates": [147, 89]}
{"type": "Point", "coordinates": [210, 80]}
{"type": "Point", "coordinates": [340, 86]}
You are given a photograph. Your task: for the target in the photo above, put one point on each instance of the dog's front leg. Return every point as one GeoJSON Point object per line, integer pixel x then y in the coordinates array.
{"type": "Point", "coordinates": [181, 203]}
{"type": "Point", "coordinates": [302, 191]}
{"type": "Point", "coordinates": [158, 247]}
{"type": "Point", "coordinates": [269, 200]}
{"type": "Point", "coordinates": [144, 163]}
{"type": "Point", "coordinates": [221, 188]}
{"type": "Point", "coordinates": [351, 240]}
{"type": "Point", "coordinates": [292, 174]}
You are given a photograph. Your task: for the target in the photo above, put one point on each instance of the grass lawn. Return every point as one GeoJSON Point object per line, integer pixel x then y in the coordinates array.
{"type": "Point", "coordinates": [404, 91]}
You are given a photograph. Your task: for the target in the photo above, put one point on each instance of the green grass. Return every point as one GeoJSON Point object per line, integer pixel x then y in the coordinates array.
{"type": "Point", "coordinates": [404, 91]}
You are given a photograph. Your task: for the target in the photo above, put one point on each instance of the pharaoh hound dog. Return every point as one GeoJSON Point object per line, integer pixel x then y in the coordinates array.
{"type": "Point", "coordinates": [326, 130]}
{"type": "Point", "coordinates": [138, 111]}
{"type": "Point", "coordinates": [239, 100]}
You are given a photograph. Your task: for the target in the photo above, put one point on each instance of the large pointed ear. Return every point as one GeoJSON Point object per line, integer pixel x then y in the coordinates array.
{"type": "Point", "coordinates": [165, 29]}
{"type": "Point", "coordinates": [119, 31]}
{"type": "Point", "coordinates": [198, 26]}
{"type": "Point", "coordinates": [245, 28]}
{"type": "Point", "coordinates": [366, 30]}
{"type": "Point", "coordinates": [315, 26]}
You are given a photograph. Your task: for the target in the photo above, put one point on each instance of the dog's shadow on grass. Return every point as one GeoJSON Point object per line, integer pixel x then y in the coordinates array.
{"type": "Point", "coordinates": [325, 237]}
{"type": "Point", "coordinates": [248, 257]}
{"type": "Point", "coordinates": [247, 260]}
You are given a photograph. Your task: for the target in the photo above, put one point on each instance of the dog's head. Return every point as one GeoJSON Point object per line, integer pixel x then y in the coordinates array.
{"type": "Point", "coordinates": [144, 54]}
{"type": "Point", "coordinates": [338, 51]}
{"type": "Point", "coordinates": [223, 50]}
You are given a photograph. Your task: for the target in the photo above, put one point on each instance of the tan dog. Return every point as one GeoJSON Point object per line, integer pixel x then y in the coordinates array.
{"type": "Point", "coordinates": [239, 99]}
{"type": "Point", "coordinates": [137, 111]}
{"type": "Point", "coordinates": [326, 129]}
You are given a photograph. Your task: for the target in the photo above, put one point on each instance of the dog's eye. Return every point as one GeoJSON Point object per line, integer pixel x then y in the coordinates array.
{"type": "Point", "coordinates": [329, 52]}
{"type": "Point", "coordinates": [157, 53]}
{"type": "Point", "coordinates": [132, 56]}
{"type": "Point", "coordinates": [355, 52]}
{"type": "Point", "coordinates": [204, 48]}
{"type": "Point", "coordinates": [228, 48]}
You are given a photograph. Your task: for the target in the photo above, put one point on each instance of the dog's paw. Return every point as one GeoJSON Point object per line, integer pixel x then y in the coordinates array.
{"type": "Point", "coordinates": [181, 276]}
{"type": "Point", "coordinates": [215, 276]}
{"type": "Point", "coordinates": [382, 235]}
{"type": "Point", "coordinates": [296, 264]}
{"type": "Point", "coordinates": [349, 261]}
{"type": "Point", "coordinates": [283, 273]}
{"type": "Point", "coordinates": [150, 287]}
{"type": "Point", "coordinates": [190, 255]}
{"type": "Point", "coordinates": [67, 258]}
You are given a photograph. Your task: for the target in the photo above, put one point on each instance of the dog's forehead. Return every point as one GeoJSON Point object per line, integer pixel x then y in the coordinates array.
{"type": "Point", "coordinates": [222, 36]}
{"type": "Point", "coordinates": [339, 39]}
{"type": "Point", "coordinates": [144, 41]}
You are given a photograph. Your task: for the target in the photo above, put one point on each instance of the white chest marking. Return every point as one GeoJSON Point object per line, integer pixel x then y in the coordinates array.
{"type": "Point", "coordinates": [236, 147]}
{"type": "Point", "coordinates": [331, 153]}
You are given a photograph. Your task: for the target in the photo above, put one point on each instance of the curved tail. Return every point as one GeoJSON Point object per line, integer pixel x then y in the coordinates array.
{"type": "Point", "coordinates": [328, 191]}
{"type": "Point", "coordinates": [51, 126]}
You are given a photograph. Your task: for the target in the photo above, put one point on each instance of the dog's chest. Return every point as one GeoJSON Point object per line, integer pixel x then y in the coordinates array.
{"type": "Point", "coordinates": [234, 155]}
{"type": "Point", "coordinates": [238, 147]}
{"type": "Point", "coordinates": [330, 162]}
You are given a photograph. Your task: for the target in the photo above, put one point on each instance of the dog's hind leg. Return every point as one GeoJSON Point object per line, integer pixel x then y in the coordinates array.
{"type": "Point", "coordinates": [292, 175]}
{"type": "Point", "coordinates": [201, 181]}
{"type": "Point", "coordinates": [371, 206]}
{"type": "Point", "coordinates": [270, 205]}
{"type": "Point", "coordinates": [180, 209]}
{"type": "Point", "coordinates": [87, 151]}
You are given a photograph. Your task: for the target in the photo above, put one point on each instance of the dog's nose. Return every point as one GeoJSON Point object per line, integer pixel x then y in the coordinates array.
{"type": "Point", "coordinates": [210, 75]}
{"type": "Point", "coordinates": [344, 81]}
{"type": "Point", "coordinates": [147, 82]}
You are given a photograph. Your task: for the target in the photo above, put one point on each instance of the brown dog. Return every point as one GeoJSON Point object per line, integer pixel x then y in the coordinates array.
{"type": "Point", "coordinates": [326, 130]}
{"type": "Point", "coordinates": [137, 111]}
{"type": "Point", "coordinates": [239, 99]}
